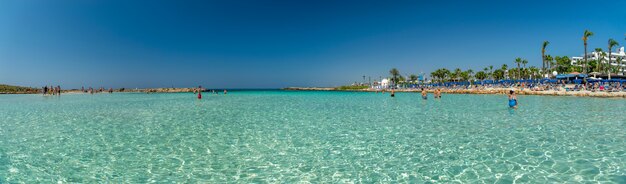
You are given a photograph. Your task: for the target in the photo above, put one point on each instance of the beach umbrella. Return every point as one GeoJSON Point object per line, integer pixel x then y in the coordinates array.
{"type": "Point", "coordinates": [594, 74]}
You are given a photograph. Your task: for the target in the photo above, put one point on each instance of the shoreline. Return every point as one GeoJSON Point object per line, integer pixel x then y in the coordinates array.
{"type": "Point", "coordinates": [496, 91]}
{"type": "Point", "coordinates": [500, 91]}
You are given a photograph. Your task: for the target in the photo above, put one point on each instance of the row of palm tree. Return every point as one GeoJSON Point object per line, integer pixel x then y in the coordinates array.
{"type": "Point", "coordinates": [611, 43]}
{"type": "Point", "coordinates": [561, 64]}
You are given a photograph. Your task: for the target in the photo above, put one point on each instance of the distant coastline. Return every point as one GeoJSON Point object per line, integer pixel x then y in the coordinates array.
{"type": "Point", "coordinates": [10, 89]}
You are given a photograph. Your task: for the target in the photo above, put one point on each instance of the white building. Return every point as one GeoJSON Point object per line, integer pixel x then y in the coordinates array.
{"type": "Point", "coordinates": [617, 58]}
{"type": "Point", "coordinates": [384, 83]}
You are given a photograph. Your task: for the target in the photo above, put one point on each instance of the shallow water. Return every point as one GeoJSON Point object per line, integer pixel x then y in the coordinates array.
{"type": "Point", "coordinates": [278, 136]}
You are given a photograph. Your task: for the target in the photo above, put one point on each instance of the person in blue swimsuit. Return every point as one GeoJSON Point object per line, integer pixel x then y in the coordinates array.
{"type": "Point", "coordinates": [512, 99]}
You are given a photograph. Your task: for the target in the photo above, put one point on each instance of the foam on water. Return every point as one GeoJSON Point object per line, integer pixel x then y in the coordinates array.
{"type": "Point", "coordinates": [276, 136]}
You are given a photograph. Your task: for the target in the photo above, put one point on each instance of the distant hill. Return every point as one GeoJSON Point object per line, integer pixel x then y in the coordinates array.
{"type": "Point", "coordinates": [8, 89]}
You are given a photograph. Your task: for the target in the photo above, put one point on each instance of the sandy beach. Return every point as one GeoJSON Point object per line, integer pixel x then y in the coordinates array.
{"type": "Point", "coordinates": [502, 91]}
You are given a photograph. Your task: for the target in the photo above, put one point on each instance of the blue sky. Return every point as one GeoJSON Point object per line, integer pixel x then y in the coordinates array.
{"type": "Point", "coordinates": [270, 44]}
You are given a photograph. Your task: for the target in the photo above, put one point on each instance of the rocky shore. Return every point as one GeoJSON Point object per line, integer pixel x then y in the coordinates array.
{"type": "Point", "coordinates": [309, 89]}
{"type": "Point", "coordinates": [145, 90]}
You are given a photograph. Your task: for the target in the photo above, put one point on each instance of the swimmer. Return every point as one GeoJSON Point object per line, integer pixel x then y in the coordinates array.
{"type": "Point", "coordinates": [424, 94]}
{"type": "Point", "coordinates": [512, 99]}
{"type": "Point", "coordinates": [393, 93]}
{"type": "Point", "coordinates": [438, 92]}
{"type": "Point", "coordinates": [199, 92]}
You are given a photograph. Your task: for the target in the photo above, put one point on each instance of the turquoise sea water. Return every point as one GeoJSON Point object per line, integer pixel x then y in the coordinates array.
{"type": "Point", "coordinates": [336, 137]}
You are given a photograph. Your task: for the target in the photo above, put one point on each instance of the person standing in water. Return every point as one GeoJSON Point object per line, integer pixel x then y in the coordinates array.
{"type": "Point", "coordinates": [393, 92]}
{"type": "Point", "coordinates": [424, 94]}
{"type": "Point", "coordinates": [59, 92]}
{"type": "Point", "coordinates": [512, 99]}
{"type": "Point", "coordinates": [225, 91]}
{"type": "Point", "coordinates": [199, 92]}
{"type": "Point", "coordinates": [437, 93]}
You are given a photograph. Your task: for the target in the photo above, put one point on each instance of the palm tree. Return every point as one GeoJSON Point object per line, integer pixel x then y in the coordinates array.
{"type": "Point", "coordinates": [412, 77]}
{"type": "Point", "coordinates": [518, 61]}
{"type": "Point", "coordinates": [621, 65]}
{"type": "Point", "coordinates": [548, 62]}
{"type": "Point", "coordinates": [470, 73]}
{"type": "Point", "coordinates": [586, 36]}
{"type": "Point", "coordinates": [394, 75]}
{"type": "Point", "coordinates": [491, 71]}
{"type": "Point", "coordinates": [445, 74]}
{"type": "Point", "coordinates": [599, 58]}
{"type": "Point", "coordinates": [454, 76]}
{"type": "Point", "coordinates": [504, 67]}
{"type": "Point", "coordinates": [543, 54]}
{"type": "Point", "coordinates": [556, 64]}
{"type": "Point", "coordinates": [481, 75]}
{"type": "Point", "coordinates": [602, 55]}
{"type": "Point", "coordinates": [464, 76]}
{"type": "Point", "coordinates": [612, 43]}
{"type": "Point", "coordinates": [498, 74]}
{"type": "Point", "coordinates": [486, 69]}
{"type": "Point", "coordinates": [524, 62]}
{"type": "Point", "coordinates": [533, 71]}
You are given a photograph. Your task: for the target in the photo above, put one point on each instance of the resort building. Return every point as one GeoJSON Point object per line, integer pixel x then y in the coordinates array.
{"type": "Point", "coordinates": [618, 58]}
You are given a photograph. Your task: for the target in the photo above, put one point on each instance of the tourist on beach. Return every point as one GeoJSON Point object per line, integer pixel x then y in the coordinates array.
{"type": "Point", "coordinates": [424, 94]}
{"type": "Point", "coordinates": [199, 92]}
{"type": "Point", "coordinates": [512, 99]}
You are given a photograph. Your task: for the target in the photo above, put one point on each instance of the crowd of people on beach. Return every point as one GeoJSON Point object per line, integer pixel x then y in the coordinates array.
{"type": "Point", "coordinates": [608, 88]}
{"type": "Point", "coordinates": [535, 86]}
{"type": "Point", "coordinates": [51, 90]}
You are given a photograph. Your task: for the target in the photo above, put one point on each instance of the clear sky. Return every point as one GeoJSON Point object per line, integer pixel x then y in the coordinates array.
{"type": "Point", "coordinates": [270, 44]}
